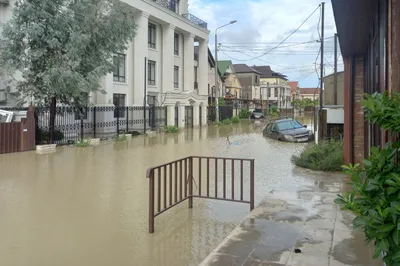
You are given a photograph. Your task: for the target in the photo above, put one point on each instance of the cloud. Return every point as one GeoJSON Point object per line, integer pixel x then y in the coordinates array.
{"type": "Point", "coordinates": [262, 24]}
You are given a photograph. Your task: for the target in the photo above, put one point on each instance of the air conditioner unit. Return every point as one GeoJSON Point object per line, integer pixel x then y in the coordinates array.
{"type": "Point", "coordinates": [3, 96]}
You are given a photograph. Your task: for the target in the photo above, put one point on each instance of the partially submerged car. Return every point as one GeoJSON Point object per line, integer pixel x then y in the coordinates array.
{"type": "Point", "coordinates": [288, 129]}
{"type": "Point", "coordinates": [257, 114]}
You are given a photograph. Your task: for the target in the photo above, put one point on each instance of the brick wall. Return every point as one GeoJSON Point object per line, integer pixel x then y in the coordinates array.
{"type": "Point", "coordinates": [358, 113]}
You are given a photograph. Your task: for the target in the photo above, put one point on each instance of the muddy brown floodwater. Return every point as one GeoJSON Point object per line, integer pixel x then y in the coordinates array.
{"type": "Point", "coordinates": [89, 206]}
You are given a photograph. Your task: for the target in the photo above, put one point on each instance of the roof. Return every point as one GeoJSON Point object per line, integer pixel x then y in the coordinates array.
{"type": "Point", "coordinates": [353, 24]}
{"type": "Point", "coordinates": [267, 72]}
{"type": "Point", "coordinates": [223, 66]}
{"type": "Point", "coordinates": [309, 91]}
{"type": "Point", "coordinates": [293, 86]}
{"type": "Point", "coordinates": [243, 68]}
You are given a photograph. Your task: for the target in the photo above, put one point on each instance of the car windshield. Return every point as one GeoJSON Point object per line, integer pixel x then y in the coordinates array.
{"type": "Point", "coordinates": [289, 124]}
{"type": "Point", "coordinates": [257, 111]}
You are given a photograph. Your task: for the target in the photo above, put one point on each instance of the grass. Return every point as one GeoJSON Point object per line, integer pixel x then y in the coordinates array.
{"type": "Point", "coordinates": [229, 121]}
{"type": "Point", "coordinates": [82, 143]}
{"type": "Point", "coordinates": [121, 138]}
{"type": "Point", "coordinates": [324, 156]}
{"type": "Point", "coordinates": [172, 129]}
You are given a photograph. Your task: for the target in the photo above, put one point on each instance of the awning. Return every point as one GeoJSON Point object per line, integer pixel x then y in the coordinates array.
{"type": "Point", "coordinates": [353, 22]}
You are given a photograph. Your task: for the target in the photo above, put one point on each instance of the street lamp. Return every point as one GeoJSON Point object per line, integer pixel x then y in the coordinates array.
{"type": "Point", "coordinates": [216, 70]}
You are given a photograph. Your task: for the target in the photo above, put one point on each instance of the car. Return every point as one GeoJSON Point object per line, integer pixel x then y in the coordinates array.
{"type": "Point", "coordinates": [288, 129]}
{"type": "Point", "coordinates": [257, 114]}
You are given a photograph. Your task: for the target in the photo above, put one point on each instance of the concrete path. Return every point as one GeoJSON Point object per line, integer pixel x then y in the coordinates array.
{"type": "Point", "coordinates": [304, 228]}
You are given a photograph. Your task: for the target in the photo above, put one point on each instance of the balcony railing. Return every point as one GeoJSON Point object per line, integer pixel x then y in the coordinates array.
{"type": "Point", "coordinates": [195, 20]}
{"type": "Point", "coordinates": [172, 5]}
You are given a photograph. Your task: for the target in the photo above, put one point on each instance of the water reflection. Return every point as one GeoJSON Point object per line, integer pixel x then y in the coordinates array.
{"type": "Point", "coordinates": [89, 206]}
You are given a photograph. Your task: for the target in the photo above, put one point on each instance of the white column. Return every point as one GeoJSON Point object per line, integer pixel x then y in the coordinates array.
{"type": "Point", "coordinates": [204, 115]}
{"type": "Point", "coordinates": [202, 70]}
{"type": "Point", "coordinates": [171, 115]}
{"type": "Point", "coordinates": [167, 58]}
{"type": "Point", "coordinates": [140, 52]}
{"type": "Point", "coordinates": [181, 116]}
{"type": "Point", "coordinates": [188, 62]}
{"type": "Point", "coordinates": [196, 115]}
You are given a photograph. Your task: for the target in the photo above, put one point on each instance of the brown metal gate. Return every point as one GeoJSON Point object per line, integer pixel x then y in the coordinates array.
{"type": "Point", "coordinates": [18, 136]}
{"type": "Point", "coordinates": [213, 177]}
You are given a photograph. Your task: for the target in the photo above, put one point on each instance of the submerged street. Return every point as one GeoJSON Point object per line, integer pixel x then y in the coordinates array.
{"type": "Point", "coordinates": [89, 206]}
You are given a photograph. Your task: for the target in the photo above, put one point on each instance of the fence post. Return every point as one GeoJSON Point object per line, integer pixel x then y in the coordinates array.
{"type": "Point", "coordinates": [144, 119]}
{"type": "Point", "coordinates": [150, 176]}
{"type": "Point", "coordinates": [118, 109]}
{"type": "Point", "coordinates": [190, 179]}
{"type": "Point", "coordinates": [252, 185]}
{"type": "Point", "coordinates": [94, 122]}
{"type": "Point", "coordinates": [81, 124]}
{"type": "Point", "coordinates": [127, 119]}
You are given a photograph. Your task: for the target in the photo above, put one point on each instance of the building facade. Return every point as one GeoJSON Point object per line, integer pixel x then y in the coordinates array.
{"type": "Point", "coordinates": [369, 41]}
{"type": "Point", "coordinates": [159, 67]}
{"type": "Point", "coordinates": [232, 88]}
{"type": "Point", "coordinates": [249, 78]}
{"type": "Point", "coordinates": [330, 98]}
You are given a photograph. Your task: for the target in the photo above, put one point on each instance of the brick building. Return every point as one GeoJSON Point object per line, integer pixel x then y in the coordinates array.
{"type": "Point", "coordinates": [369, 38]}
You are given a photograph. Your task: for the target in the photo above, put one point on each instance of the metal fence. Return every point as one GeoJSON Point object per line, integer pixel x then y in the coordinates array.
{"type": "Point", "coordinates": [218, 178]}
{"type": "Point", "coordinates": [225, 112]}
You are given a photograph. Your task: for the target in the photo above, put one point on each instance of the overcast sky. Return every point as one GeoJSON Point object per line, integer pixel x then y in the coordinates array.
{"type": "Point", "coordinates": [263, 24]}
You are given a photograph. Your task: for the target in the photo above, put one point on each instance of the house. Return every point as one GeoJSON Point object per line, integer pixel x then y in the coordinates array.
{"type": "Point", "coordinates": [294, 89]}
{"type": "Point", "coordinates": [232, 88]}
{"type": "Point", "coordinates": [249, 78]}
{"type": "Point", "coordinates": [274, 87]}
{"type": "Point", "coordinates": [330, 98]}
{"type": "Point", "coordinates": [309, 93]}
{"type": "Point", "coordinates": [370, 43]}
{"type": "Point", "coordinates": [160, 63]}
{"type": "Point", "coordinates": [211, 74]}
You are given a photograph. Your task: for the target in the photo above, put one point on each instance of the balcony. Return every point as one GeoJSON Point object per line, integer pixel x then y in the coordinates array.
{"type": "Point", "coordinates": [195, 20]}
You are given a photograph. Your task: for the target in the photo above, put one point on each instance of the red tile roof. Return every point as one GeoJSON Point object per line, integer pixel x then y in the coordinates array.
{"type": "Point", "coordinates": [293, 85]}
{"type": "Point", "coordinates": [309, 91]}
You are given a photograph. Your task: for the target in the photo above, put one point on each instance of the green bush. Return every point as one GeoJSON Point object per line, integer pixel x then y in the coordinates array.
{"type": "Point", "coordinates": [172, 129]}
{"type": "Point", "coordinates": [227, 121]}
{"type": "Point", "coordinates": [324, 156]}
{"type": "Point", "coordinates": [235, 120]}
{"type": "Point", "coordinates": [44, 135]}
{"type": "Point", "coordinates": [82, 143]}
{"type": "Point", "coordinates": [243, 114]}
{"type": "Point", "coordinates": [375, 185]}
{"type": "Point", "coordinates": [121, 137]}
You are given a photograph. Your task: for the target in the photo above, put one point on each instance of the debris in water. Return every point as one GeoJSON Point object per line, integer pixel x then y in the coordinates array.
{"type": "Point", "coordinates": [297, 250]}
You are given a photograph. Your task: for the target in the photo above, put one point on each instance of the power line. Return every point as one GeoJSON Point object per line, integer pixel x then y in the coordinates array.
{"type": "Point", "coordinates": [286, 37]}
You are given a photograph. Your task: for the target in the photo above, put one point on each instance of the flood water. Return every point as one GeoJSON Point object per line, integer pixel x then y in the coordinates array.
{"type": "Point", "coordinates": [89, 206]}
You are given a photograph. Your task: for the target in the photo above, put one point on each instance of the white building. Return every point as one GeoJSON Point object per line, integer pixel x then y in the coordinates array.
{"type": "Point", "coordinates": [164, 43]}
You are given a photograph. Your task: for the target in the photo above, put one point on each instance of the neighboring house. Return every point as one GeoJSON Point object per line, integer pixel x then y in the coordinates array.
{"type": "Point", "coordinates": [211, 73]}
{"type": "Point", "coordinates": [165, 37]}
{"type": "Point", "coordinates": [329, 89]}
{"type": "Point", "coordinates": [370, 46]}
{"type": "Point", "coordinates": [249, 78]}
{"type": "Point", "coordinates": [232, 88]}
{"type": "Point", "coordinates": [294, 89]}
{"type": "Point", "coordinates": [309, 93]}
{"type": "Point", "coordinates": [274, 87]}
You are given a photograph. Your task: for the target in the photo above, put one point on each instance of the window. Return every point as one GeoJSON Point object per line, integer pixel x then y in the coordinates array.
{"type": "Point", "coordinates": [256, 79]}
{"type": "Point", "coordinates": [276, 92]}
{"type": "Point", "coordinates": [119, 102]}
{"type": "Point", "coordinates": [119, 67]}
{"type": "Point", "coordinates": [176, 77]}
{"type": "Point", "coordinates": [176, 44]}
{"type": "Point", "coordinates": [269, 92]}
{"type": "Point", "coordinates": [152, 35]}
{"type": "Point", "coordinates": [151, 73]}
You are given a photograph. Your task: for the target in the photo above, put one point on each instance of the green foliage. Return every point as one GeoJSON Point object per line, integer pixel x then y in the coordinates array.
{"type": "Point", "coordinates": [302, 103]}
{"type": "Point", "coordinates": [44, 135]}
{"type": "Point", "coordinates": [273, 112]}
{"type": "Point", "coordinates": [235, 120]}
{"type": "Point", "coordinates": [227, 121]}
{"type": "Point", "coordinates": [63, 48]}
{"type": "Point", "coordinates": [172, 129]}
{"type": "Point", "coordinates": [324, 156]}
{"type": "Point", "coordinates": [221, 101]}
{"type": "Point", "coordinates": [244, 114]}
{"type": "Point", "coordinates": [122, 137]}
{"type": "Point", "coordinates": [82, 143]}
{"type": "Point", "coordinates": [375, 184]}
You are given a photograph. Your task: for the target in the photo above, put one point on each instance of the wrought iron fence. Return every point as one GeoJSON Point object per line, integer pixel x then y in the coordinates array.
{"type": "Point", "coordinates": [195, 20]}
{"type": "Point", "coordinates": [225, 112]}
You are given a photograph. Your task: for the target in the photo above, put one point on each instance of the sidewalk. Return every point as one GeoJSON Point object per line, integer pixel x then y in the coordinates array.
{"type": "Point", "coordinates": [307, 220]}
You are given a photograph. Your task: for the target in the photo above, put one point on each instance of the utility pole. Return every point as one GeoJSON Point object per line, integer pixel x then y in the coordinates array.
{"type": "Point", "coordinates": [321, 94]}
{"type": "Point", "coordinates": [335, 77]}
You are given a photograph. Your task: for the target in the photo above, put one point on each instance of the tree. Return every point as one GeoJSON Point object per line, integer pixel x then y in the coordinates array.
{"type": "Point", "coordinates": [63, 48]}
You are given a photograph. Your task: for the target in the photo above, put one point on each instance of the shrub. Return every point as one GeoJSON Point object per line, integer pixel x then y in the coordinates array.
{"type": "Point", "coordinates": [235, 120]}
{"type": "Point", "coordinates": [172, 129]}
{"type": "Point", "coordinates": [244, 114]}
{"type": "Point", "coordinates": [82, 143]}
{"type": "Point", "coordinates": [227, 121]}
{"type": "Point", "coordinates": [375, 185]}
{"type": "Point", "coordinates": [324, 156]}
{"type": "Point", "coordinates": [44, 135]}
{"type": "Point", "coordinates": [121, 137]}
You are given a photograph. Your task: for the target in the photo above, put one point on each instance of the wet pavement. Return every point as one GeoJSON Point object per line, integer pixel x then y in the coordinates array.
{"type": "Point", "coordinates": [89, 206]}
{"type": "Point", "coordinates": [302, 228]}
